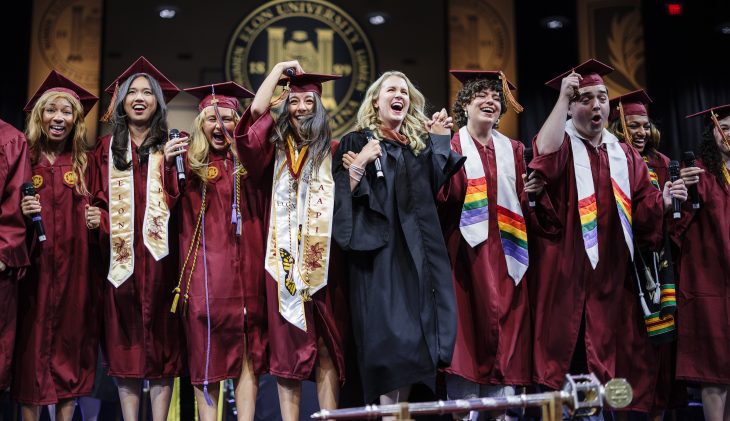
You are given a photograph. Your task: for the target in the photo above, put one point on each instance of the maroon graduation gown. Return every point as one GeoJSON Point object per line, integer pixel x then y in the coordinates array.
{"type": "Point", "coordinates": [703, 294]}
{"type": "Point", "coordinates": [493, 337]}
{"type": "Point", "coordinates": [14, 171]}
{"type": "Point", "coordinates": [142, 339]}
{"type": "Point", "coordinates": [236, 312]}
{"type": "Point", "coordinates": [293, 352]}
{"type": "Point", "coordinates": [648, 367]}
{"type": "Point", "coordinates": [59, 308]}
{"type": "Point", "coordinates": [567, 289]}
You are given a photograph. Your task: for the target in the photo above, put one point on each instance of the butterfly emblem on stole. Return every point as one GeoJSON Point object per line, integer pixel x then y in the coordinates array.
{"type": "Point", "coordinates": [287, 261]}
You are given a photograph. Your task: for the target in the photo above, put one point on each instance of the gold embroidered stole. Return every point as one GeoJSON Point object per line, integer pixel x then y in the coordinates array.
{"type": "Point", "coordinates": [299, 240]}
{"type": "Point", "coordinates": [121, 216]}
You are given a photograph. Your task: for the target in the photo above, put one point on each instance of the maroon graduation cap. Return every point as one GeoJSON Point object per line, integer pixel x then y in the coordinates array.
{"type": "Point", "coordinates": [591, 71]}
{"type": "Point", "coordinates": [56, 82]}
{"type": "Point", "coordinates": [632, 103]}
{"type": "Point", "coordinates": [465, 76]}
{"type": "Point", "coordinates": [224, 94]}
{"type": "Point", "coordinates": [307, 82]}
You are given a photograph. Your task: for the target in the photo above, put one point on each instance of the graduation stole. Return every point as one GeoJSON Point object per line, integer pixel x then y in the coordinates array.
{"type": "Point", "coordinates": [300, 226]}
{"type": "Point", "coordinates": [587, 207]}
{"type": "Point", "coordinates": [652, 173]}
{"type": "Point", "coordinates": [510, 221]}
{"type": "Point", "coordinates": [121, 216]}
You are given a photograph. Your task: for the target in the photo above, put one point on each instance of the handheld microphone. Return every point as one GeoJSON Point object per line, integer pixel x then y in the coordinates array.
{"type": "Point", "coordinates": [527, 155]}
{"type": "Point", "coordinates": [689, 161]}
{"type": "Point", "coordinates": [290, 71]}
{"type": "Point", "coordinates": [179, 164]}
{"type": "Point", "coordinates": [378, 165]}
{"type": "Point", "coordinates": [674, 176]}
{"type": "Point", "coordinates": [29, 190]}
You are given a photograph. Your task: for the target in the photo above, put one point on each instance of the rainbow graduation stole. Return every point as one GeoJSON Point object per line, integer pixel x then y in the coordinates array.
{"type": "Point", "coordinates": [510, 221]}
{"type": "Point", "coordinates": [587, 207]}
{"type": "Point", "coordinates": [474, 223]}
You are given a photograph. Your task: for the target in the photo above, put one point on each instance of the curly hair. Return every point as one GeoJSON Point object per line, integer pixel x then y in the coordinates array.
{"type": "Point", "coordinates": [414, 124]}
{"type": "Point", "coordinates": [37, 136]}
{"type": "Point", "coordinates": [711, 154]}
{"type": "Point", "coordinates": [157, 135]}
{"type": "Point", "coordinates": [200, 147]}
{"type": "Point", "coordinates": [469, 91]}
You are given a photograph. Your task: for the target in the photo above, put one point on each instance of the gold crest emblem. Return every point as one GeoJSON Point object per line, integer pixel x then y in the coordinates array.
{"type": "Point", "coordinates": [69, 178]}
{"type": "Point", "coordinates": [323, 37]}
{"type": "Point", "coordinates": [37, 181]}
{"type": "Point", "coordinates": [212, 173]}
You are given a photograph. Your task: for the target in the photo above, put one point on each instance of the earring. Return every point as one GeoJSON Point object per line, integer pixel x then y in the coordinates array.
{"type": "Point", "coordinates": [466, 114]}
{"type": "Point", "coordinates": [496, 123]}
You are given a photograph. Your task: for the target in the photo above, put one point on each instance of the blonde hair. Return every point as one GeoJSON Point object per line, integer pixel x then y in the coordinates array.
{"type": "Point", "coordinates": [413, 126]}
{"type": "Point", "coordinates": [200, 148]}
{"type": "Point", "coordinates": [37, 136]}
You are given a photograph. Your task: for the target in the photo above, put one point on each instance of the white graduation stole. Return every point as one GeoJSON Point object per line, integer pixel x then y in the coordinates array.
{"type": "Point", "coordinates": [510, 221]}
{"type": "Point", "coordinates": [587, 207]}
{"type": "Point", "coordinates": [299, 238]}
{"type": "Point", "coordinates": [121, 216]}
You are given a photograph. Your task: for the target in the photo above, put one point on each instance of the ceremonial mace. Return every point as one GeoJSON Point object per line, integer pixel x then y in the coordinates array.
{"type": "Point", "coordinates": [583, 394]}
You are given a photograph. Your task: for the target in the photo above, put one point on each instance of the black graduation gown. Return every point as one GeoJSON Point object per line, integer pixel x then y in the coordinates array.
{"type": "Point", "coordinates": [401, 294]}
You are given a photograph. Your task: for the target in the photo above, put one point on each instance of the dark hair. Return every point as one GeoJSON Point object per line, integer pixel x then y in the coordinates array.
{"type": "Point", "coordinates": [651, 145]}
{"type": "Point", "coordinates": [157, 135]}
{"type": "Point", "coordinates": [711, 154]}
{"type": "Point", "coordinates": [469, 91]}
{"type": "Point", "coordinates": [314, 130]}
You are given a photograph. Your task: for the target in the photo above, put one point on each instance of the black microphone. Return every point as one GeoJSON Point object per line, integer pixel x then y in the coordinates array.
{"type": "Point", "coordinates": [689, 161]}
{"type": "Point", "coordinates": [527, 155]}
{"type": "Point", "coordinates": [179, 164]}
{"type": "Point", "coordinates": [674, 176]}
{"type": "Point", "coordinates": [378, 165]}
{"type": "Point", "coordinates": [290, 71]}
{"type": "Point", "coordinates": [29, 190]}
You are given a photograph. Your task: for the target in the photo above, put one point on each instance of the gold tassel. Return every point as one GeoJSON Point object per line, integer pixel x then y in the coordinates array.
{"type": "Point", "coordinates": [627, 136]}
{"type": "Point", "coordinates": [175, 299]}
{"type": "Point", "coordinates": [110, 111]}
{"type": "Point", "coordinates": [719, 129]}
{"type": "Point", "coordinates": [508, 94]}
{"type": "Point", "coordinates": [278, 100]}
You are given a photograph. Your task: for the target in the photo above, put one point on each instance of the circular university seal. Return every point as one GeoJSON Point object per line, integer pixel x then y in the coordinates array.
{"type": "Point", "coordinates": [321, 36]}
{"type": "Point", "coordinates": [68, 39]}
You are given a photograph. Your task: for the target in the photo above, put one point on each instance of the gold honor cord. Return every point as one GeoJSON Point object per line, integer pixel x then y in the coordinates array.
{"type": "Point", "coordinates": [717, 125]}
{"type": "Point", "coordinates": [624, 128]}
{"type": "Point", "coordinates": [193, 249]}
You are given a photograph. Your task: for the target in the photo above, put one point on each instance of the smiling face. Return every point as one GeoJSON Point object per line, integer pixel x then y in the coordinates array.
{"type": "Point", "coordinates": [301, 105]}
{"type": "Point", "coordinates": [639, 129]}
{"type": "Point", "coordinates": [392, 102]}
{"type": "Point", "coordinates": [590, 112]}
{"type": "Point", "coordinates": [140, 103]}
{"type": "Point", "coordinates": [213, 130]}
{"type": "Point", "coordinates": [57, 119]}
{"type": "Point", "coordinates": [485, 108]}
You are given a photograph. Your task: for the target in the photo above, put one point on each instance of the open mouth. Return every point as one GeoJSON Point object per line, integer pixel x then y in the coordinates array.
{"type": "Point", "coordinates": [396, 106]}
{"type": "Point", "coordinates": [219, 137]}
{"type": "Point", "coordinates": [56, 130]}
{"type": "Point", "coordinates": [139, 108]}
{"type": "Point", "coordinates": [487, 109]}
{"type": "Point", "coordinates": [596, 119]}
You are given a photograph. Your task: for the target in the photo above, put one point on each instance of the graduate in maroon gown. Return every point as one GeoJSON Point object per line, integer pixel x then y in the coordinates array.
{"type": "Point", "coordinates": [286, 150]}
{"type": "Point", "coordinates": [485, 230]}
{"type": "Point", "coordinates": [134, 187]}
{"type": "Point", "coordinates": [218, 299]}
{"type": "Point", "coordinates": [703, 294]}
{"type": "Point", "coordinates": [604, 199]}
{"type": "Point", "coordinates": [647, 352]}
{"type": "Point", "coordinates": [401, 295]}
{"type": "Point", "coordinates": [14, 171]}
{"type": "Point", "coordinates": [59, 299]}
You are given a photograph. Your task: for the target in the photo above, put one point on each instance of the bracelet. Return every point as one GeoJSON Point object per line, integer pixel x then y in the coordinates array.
{"type": "Point", "coordinates": [357, 170]}
{"type": "Point", "coordinates": [356, 178]}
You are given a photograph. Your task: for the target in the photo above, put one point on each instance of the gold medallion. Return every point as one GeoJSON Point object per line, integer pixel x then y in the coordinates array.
{"type": "Point", "coordinates": [618, 393]}
{"type": "Point", "coordinates": [37, 181]}
{"type": "Point", "coordinates": [212, 173]}
{"type": "Point", "coordinates": [69, 178]}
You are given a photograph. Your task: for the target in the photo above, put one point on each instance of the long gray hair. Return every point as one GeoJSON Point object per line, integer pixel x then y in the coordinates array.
{"type": "Point", "coordinates": [157, 135]}
{"type": "Point", "coordinates": [314, 130]}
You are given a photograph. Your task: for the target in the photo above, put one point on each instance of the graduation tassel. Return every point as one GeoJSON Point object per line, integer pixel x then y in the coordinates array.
{"type": "Point", "coordinates": [627, 136]}
{"type": "Point", "coordinates": [207, 306]}
{"type": "Point", "coordinates": [276, 101]}
{"type": "Point", "coordinates": [208, 400]}
{"type": "Point", "coordinates": [658, 292]}
{"type": "Point", "coordinates": [508, 94]}
{"type": "Point", "coordinates": [175, 299]}
{"type": "Point", "coordinates": [719, 129]}
{"type": "Point", "coordinates": [110, 111]}
{"type": "Point", "coordinates": [644, 307]}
